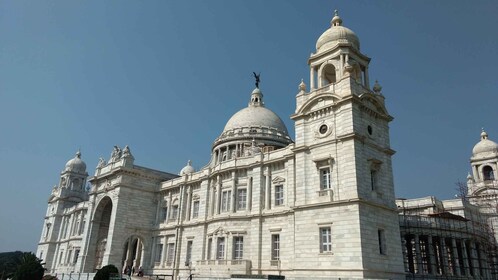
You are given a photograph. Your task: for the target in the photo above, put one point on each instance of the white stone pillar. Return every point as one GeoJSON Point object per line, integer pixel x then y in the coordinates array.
{"type": "Point", "coordinates": [153, 252]}
{"type": "Point", "coordinates": [432, 262]}
{"type": "Point", "coordinates": [189, 203]}
{"type": "Point", "coordinates": [234, 189]}
{"type": "Point", "coordinates": [249, 195]}
{"type": "Point", "coordinates": [444, 253]}
{"type": "Point", "coordinates": [418, 257]}
{"type": "Point", "coordinates": [456, 259]}
{"type": "Point", "coordinates": [164, 251]}
{"type": "Point", "coordinates": [312, 78]}
{"type": "Point", "coordinates": [367, 80]}
{"type": "Point", "coordinates": [170, 206]}
{"type": "Point", "coordinates": [218, 195]}
{"type": "Point", "coordinates": [268, 189]}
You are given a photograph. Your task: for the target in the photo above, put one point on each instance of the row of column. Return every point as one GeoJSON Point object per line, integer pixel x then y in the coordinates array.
{"type": "Point", "coordinates": [434, 255]}
{"type": "Point", "coordinates": [319, 80]}
{"type": "Point", "coordinates": [215, 196]}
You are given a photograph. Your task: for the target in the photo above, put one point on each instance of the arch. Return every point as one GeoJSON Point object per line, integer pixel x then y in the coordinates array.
{"type": "Point", "coordinates": [488, 173]}
{"type": "Point", "coordinates": [378, 106]}
{"type": "Point", "coordinates": [327, 74]}
{"type": "Point", "coordinates": [311, 102]}
{"type": "Point", "coordinates": [133, 254]}
{"type": "Point", "coordinates": [102, 220]}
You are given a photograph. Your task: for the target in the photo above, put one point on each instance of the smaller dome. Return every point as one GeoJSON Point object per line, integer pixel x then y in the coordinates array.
{"type": "Point", "coordinates": [485, 146]}
{"type": "Point", "coordinates": [188, 169]}
{"type": "Point", "coordinates": [76, 164]}
{"type": "Point", "coordinates": [336, 34]}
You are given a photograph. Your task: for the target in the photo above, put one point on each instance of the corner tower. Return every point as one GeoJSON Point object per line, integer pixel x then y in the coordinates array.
{"type": "Point", "coordinates": [342, 144]}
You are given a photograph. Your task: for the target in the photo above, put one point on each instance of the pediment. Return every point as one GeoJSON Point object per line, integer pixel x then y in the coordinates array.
{"type": "Point", "coordinates": [371, 103]}
{"type": "Point", "coordinates": [319, 102]}
{"type": "Point", "coordinates": [278, 180]}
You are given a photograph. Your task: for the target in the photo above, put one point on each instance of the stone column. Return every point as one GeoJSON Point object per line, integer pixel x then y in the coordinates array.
{"type": "Point", "coordinates": [456, 260]}
{"type": "Point", "coordinates": [153, 252]}
{"type": "Point", "coordinates": [465, 258]}
{"type": "Point", "coordinates": [189, 203]}
{"type": "Point", "coordinates": [473, 258]}
{"type": "Point", "coordinates": [432, 259]}
{"type": "Point", "coordinates": [367, 81]}
{"type": "Point", "coordinates": [218, 195]}
{"type": "Point", "coordinates": [312, 78]}
{"type": "Point", "coordinates": [268, 189]}
{"type": "Point", "coordinates": [418, 256]}
{"type": "Point", "coordinates": [234, 189]}
{"type": "Point", "coordinates": [212, 204]}
{"type": "Point", "coordinates": [164, 251]}
{"type": "Point", "coordinates": [249, 195]}
{"type": "Point", "coordinates": [170, 206]}
{"type": "Point", "coordinates": [444, 253]}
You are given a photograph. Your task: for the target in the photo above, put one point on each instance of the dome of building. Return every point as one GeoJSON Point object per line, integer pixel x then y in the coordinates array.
{"type": "Point", "coordinates": [188, 169]}
{"type": "Point", "coordinates": [76, 164]}
{"type": "Point", "coordinates": [336, 34]}
{"type": "Point", "coordinates": [485, 146]}
{"type": "Point", "coordinates": [255, 122]}
{"type": "Point", "coordinates": [255, 117]}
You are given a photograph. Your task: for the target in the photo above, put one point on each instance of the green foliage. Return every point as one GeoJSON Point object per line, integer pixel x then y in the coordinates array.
{"type": "Point", "coordinates": [105, 272]}
{"type": "Point", "coordinates": [49, 277]}
{"type": "Point", "coordinates": [8, 263]}
{"type": "Point", "coordinates": [29, 268]}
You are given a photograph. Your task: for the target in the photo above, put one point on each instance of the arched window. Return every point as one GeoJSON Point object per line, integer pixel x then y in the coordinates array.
{"type": "Point", "coordinates": [328, 75]}
{"type": "Point", "coordinates": [487, 173]}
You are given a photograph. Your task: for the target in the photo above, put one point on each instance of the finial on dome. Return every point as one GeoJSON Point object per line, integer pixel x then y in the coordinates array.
{"type": "Point", "coordinates": [469, 176]}
{"type": "Point", "coordinates": [189, 162]}
{"type": "Point", "coordinates": [484, 135]}
{"type": "Point", "coordinates": [377, 87]}
{"type": "Point", "coordinates": [336, 20]}
{"type": "Point", "coordinates": [78, 154]}
{"type": "Point", "coordinates": [302, 86]}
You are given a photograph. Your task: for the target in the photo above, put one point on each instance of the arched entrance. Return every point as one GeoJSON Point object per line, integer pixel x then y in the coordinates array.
{"type": "Point", "coordinates": [133, 253]}
{"type": "Point", "coordinates": [102, 220]}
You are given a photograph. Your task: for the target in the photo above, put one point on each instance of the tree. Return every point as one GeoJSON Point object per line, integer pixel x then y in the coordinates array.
{"type": "Point", "coordinates": [105, 272]}
{"type": "Point", "coordinates": [30, 268]}
{"type": "Point", "coordinates": [8, 263]}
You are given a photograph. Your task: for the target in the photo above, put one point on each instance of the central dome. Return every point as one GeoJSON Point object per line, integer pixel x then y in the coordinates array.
{"type": "Point", "coordinates": [255, 122]}
{"type": "Point", "coordinates": [255, 117]}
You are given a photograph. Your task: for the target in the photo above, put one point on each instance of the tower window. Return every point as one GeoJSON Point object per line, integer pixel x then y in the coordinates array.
{"type": "Point", "coordinates": [323, 129]}
{"type": "Point", "coordinates": [328, 75]}
{"type": "Point", "coordinates": [279, 195]}
{"type": "Point", "coordinates": [487, 173]}
{"type": "Point", "coordinates": [325, 178]}
{"type": "Point", "coordinates": [370, 130]}
{"type": "Point", "coordinates": [382, 241]}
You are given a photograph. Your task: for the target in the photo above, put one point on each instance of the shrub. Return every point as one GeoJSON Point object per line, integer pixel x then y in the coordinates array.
{"type": "Point", "coordinates": [105, 272]}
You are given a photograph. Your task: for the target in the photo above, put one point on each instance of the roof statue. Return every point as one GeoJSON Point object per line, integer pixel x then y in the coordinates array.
{"type": "Point", "coordinates": [256, 76]}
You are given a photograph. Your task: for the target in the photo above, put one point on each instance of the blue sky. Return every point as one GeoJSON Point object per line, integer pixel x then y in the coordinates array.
{"type": "Point", "coordinates": [165, 76]}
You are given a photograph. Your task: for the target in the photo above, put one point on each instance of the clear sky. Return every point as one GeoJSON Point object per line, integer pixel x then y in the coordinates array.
{"type": "Point", "coordinates": [165, 76]}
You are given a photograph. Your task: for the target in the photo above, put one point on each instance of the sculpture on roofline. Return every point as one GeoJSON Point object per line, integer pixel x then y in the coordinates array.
{"type": "Point", "coordinates": [256, 76]}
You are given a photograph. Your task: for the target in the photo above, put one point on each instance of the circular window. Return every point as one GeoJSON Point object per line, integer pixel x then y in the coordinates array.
{"type": "Point", "coordinates": [369, 128]}
{"type": "Point", "coordinates": [323, 129]}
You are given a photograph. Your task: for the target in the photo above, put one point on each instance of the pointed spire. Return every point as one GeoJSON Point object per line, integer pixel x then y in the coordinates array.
{"type": "Point", "coordinates": [302, 86]}
{"type": "Point", "coordinates": [484, 135]}
{"type": "Point", "coordinates": [377, 87]}
{"type": "Point", "coordinates": [336, 20]}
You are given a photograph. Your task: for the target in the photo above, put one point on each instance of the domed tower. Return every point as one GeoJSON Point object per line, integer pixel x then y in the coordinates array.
{"type": "Point", "coordinates": [251, 130]}
{"type": "Point", "coordinates": [69, 192]}
{"type": "Point", "coordinates": [483, 184]}
{"type": "Point", "coordinates": [343, 152]}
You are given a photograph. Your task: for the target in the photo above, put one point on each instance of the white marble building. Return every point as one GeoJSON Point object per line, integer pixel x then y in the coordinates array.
{"type": "Point", "coordinates": [321, 204]}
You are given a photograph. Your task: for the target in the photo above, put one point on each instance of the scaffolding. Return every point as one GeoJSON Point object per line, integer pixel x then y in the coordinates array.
{"type": "Point", "coordinates": [443, 245]}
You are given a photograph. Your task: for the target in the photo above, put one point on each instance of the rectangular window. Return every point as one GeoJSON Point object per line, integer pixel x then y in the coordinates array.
{"type": "Point", "coordinates": [188, 255]}
{"type": "Point", "coordinates": [195, 209]}
{"type": "Point", "coordinates": [241, 199]}
{"type": "Point", "coordinates": [69, 253]}
{"type": "Point", "coordinates": [220, 252]}
{"type": "Point", "coordinates": [174, 212]}
{"type": "Point", "coordinates": [325, 178]}
{"type": "Point", "coordinates": [279, 195]}
{"type": "Point", "coordinates": [382, 241]}
{"type": "Point", "coordinates": [159, 252]}
{"type": "Point", "coordinates": [171, 254]}
{"type": "Point", "coordinates": [164, 214]}
{"type": "Point", "coordinates": [82, 227]}
{"type": "Point", "coordinates": [275, 247]}
{"type": "Point", "coordinates": [373, 179]}
{"type": "Point", "coordinates": [76, 255]}
{"type": "Point", "coordinates": [209, 248]}
{"type": "Point", "coordinates": [325, 240]}
{"type": "Point", "coordinates": [61, 256]}
{"type": "Point", "coordinates": [41, 255]}
{"type": "Point", "coordinates": [238, 247]}
{"type": "Point", "coordinates": [225, 201]}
